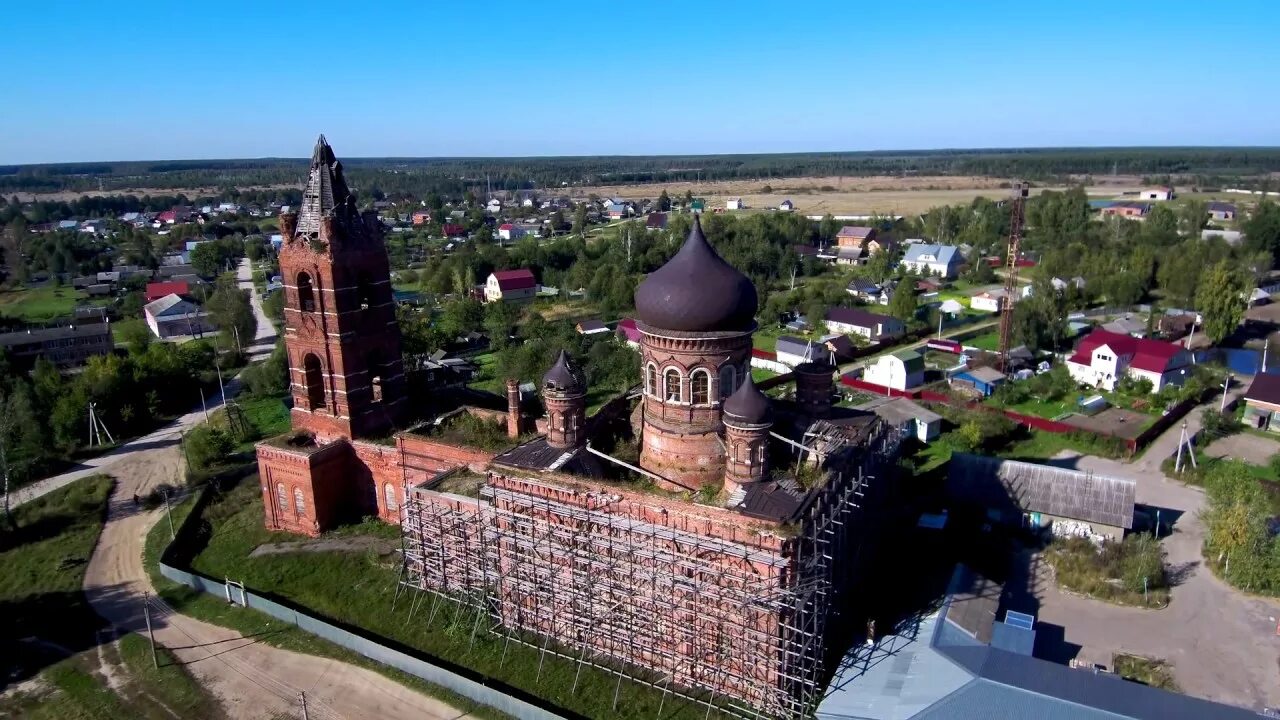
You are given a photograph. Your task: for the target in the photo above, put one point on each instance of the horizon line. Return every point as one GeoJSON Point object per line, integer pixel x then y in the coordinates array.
{"type": "Point", "coordinates": [893, 151]}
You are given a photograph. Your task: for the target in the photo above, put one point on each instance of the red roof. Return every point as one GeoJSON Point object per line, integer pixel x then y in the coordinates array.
{"type": "Point", "coordinates": [506, 226]}
{"type": "Point", "coordinates": [521, 279]}
{"type": "Point", "coordinates": [451, 230]}
{"type": "Point", "coordinates": [627, 328]}
{"type": "Point", "coordinates": [1150, 355]}
{"type": "Point", "coordinates": [763, 354]}
{"type": "Point", "coordinates": [167, 215]}
{"type": "Point", "coordinates": [157, 290]}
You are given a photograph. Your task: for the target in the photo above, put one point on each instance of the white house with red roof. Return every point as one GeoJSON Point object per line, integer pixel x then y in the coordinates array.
{"type": "Point", "coordinates": [510, 286]}
{"type": "Point", "coordinates": [511, 231]}
{"type": "Point", "coordinates": [1103, 357]}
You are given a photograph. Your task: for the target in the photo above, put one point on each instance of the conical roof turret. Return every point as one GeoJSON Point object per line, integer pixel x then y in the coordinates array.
{"type": "Point", "coordinates": [748, 406]}
{"type": "Point", "coordinates": [564, 376]}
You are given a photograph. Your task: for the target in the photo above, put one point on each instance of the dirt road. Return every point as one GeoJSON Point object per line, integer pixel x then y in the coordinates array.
{"type": "Point", "coordinates": [264, 339]}
{"type": "Point", "coordinates": [251, 679]}
{"type": "Point", "coordinates": [1222, 643]}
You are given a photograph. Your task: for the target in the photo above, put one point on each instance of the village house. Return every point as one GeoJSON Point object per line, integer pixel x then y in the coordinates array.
{"type": "Point", "coordinates": [919, 422]}
{"type": "Point", "coordinates": [618, 211]}
{"type": "Point", "coordinates": [157, 290]}
{"type": "Point", "coordinates": [510, 286]}
{"type": "Point", "coordinates": [510, 231]}
{"type": "Point", "coordinates": [981, 381]}
{"type": "Point", "coordinates": [656, 221]}
{"type": "Point", "coordinates": [941, 260]}
{"type": "Point", "coordinates": [628, 331]}
{"type": "Point", "coordinates": [990, 301]}
{"type": "Point", "coordinates": [591, 327]}
{"type": "Point", "coordinates": [1133, 210]}
{"type": "Point", "coordinates": [1222, 211]}
{"type": "Point", "coordinates": [1262, 403]}
{"type": "Point", "coordinates": [1103, 357]}
{"type": "Point", "coordinates": [792, 351]}
{"type": "Point", "coordinates": [173, 316]}
{"type": "Point", "coordinates": [64, 346]}
{"type": "Point", "coordinates": [786, 206]}
{"type": "Point", "coordinates": [854, 236]}
{"type": "Point", "coordinates": [902, 370]}
{"type": "Point", "coordinates": [735, 204]}
{"type": "Point", "coordinates": [1157, 193]}
{"type": "Point", "coordinates": [872, 326]}
{"type": "Point", "coordinates": [878, 244]}
{"type": "Point", "coordinates": [420, 217]}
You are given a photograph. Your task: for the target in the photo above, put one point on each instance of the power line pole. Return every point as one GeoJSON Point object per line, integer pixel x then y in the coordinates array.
{"type": "Point", "coordinates": [204, 407]}
{"type": "Point", "coordinates": [1225, 384]}
{"type": "Point", "coordinates": [146, 613]}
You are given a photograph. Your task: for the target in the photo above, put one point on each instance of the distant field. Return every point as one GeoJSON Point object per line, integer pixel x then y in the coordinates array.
{"type": "Point", "coordinates": [846, 196]}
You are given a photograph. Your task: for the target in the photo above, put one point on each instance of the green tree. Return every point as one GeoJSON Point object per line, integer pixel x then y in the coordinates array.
{"type": "Point", "coordinates": [902, 304]}
{"type": "Point", "coordinates": [1220, 300]}
{"type": "Point", "coordinates": [1262, 229]}
{"type": "Point", "coordinates": [230, 311]}
{"type": "Point", "coordinates": [664, 201]}
{"type": "Point", "coordinates": [1192, 216]}
{"type": "Point", "coordinates": [206, 259]}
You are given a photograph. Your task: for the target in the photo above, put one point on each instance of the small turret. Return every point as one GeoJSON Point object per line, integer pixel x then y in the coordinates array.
{"type": "Point", "coordinates": [748, 416]}
{"type": "Point", "coordinates": [564, 392]}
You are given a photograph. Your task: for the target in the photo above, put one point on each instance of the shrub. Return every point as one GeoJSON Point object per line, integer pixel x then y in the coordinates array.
{"type": "Point", "coordinates": [1216, 424]}
{"type": "Point", "coordinates": [207, 446]}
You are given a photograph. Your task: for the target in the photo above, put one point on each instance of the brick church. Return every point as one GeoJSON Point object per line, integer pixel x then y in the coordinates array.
{"type": "Point", "coordinates": [706, 565]}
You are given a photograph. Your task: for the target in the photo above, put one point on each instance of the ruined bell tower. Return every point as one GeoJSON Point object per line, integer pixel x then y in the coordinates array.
{"type": "Point", "coordinates": [343, 343]}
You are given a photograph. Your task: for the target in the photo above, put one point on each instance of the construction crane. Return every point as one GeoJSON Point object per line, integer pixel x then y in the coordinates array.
{"type": "Point", "coordinates": [1011, 272]}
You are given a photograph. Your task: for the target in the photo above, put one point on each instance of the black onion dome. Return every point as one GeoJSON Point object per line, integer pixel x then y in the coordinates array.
{"type": "Point", "coordinates": [697, 291]}
{"type": "Point", "coordinates": [564, 376]}
{"type": "Point", "coordinates": [748, 406]}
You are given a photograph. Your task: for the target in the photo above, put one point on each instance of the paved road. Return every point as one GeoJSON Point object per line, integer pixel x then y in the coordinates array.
{"type": "Point", "coordinates": [264, 338]}
{"type": "Point", "coordinates": [1222, 643]}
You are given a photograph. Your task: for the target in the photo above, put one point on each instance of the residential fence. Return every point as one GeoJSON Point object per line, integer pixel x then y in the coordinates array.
{"type": "Point", "coordinates": [485, 691]}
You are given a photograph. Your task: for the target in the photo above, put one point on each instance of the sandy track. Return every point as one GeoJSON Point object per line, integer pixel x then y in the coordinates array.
{"type": "Point", "coordinates": [251, 679]}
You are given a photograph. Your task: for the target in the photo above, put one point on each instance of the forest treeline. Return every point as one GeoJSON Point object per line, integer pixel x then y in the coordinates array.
{"type": "Point", "coordinates": [414, 177]}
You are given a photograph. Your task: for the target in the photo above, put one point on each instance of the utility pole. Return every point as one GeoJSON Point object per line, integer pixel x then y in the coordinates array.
{"type": "Point", "coordinates": [146, 613]}
{"type": "Point", "coordinates": [203, 406]}
{"type": "Point", "coordinates": [793, 277]}
{"type": "Point", "coordinates": [1265, 343]}
{"type": "Point", "coordinates": [168, 513]}
{"type": "Point", "coordinates": [1225, 384]}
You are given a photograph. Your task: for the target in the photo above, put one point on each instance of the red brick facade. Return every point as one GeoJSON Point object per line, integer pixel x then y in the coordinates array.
{"type": "Point", "coordinates": [681, 436]}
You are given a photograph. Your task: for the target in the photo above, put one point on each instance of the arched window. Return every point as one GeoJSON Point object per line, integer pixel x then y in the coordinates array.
{"type": "Point", "coordinates": [306, 294]}
{"type": "Point", "coordinates": [728, 380]}
{"type": "Point", "coordinates": [651, 380]}
{"type": "Point", "coordinates": [672, 392]}
{"type": "Point", "coordinates": [700, 387]}
{"type": "Point", "coordinates": [313, 376]}
{"type": "Point", "coordinates": [299, 502]}
{"type": "Point", "coordinates": [364, 290]}
{"type": "Point", "coordinates": [375, 369]}
{"type": "Point", "coordinates": [282, 497]}
{"type": "Point", "coordinates": [389, 492]}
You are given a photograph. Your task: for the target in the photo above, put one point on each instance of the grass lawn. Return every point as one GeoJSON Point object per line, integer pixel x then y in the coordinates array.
{"type": "Point", "coordinates": [50, 630]}
{"type": "Point", "coordinates": [1148, 671]}
{"type": "Point", "coordinates": [758, 374]}
{"type": "Point", "coordinates": [1039, 445]}
{"type": "Point", "coordinates": [989, 341]}
{"type": "Point", "coordinates": [38, 304]}
{"type": "Point", "coordinates": [1048, 409]}
{"type": "Point", "coordinates": [357, 588]}
{"type": "Point", "coordinates": [767, 338]}
{"type": "Point", "coordinates": [44, 562]}
{"type": "Point", "coordinates": [74, 689]}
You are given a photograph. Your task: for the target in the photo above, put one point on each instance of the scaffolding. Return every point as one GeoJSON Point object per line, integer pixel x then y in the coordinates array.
{"type": "Point", "coordinates": [738, 625]}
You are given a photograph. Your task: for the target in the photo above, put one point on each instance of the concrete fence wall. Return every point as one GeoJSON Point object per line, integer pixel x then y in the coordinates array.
{"type": "Point", "coordinates": [447, 679]}
{"type": "Point", "coordinates": [433, 674]}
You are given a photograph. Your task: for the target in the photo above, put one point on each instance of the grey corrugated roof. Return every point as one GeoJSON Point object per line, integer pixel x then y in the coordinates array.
{"type": "Point", "coordinates": [795, 346]}
{"type": "Point", "coordinates": [944, 253]}
{"type": "Point", "coordinates": [1032, 487]}
{"type": "Point", "coordinates": [898, 410]}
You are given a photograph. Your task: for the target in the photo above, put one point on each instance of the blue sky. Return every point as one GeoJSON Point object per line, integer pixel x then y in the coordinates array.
{"type": "Point", "coordinates": [86, 81]}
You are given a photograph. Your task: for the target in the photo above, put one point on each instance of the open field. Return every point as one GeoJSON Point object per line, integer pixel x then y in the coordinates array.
{"type": "Point", "coordinates": [43, 303]}
{"type": "Point", "coordinates": [835, 195]}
